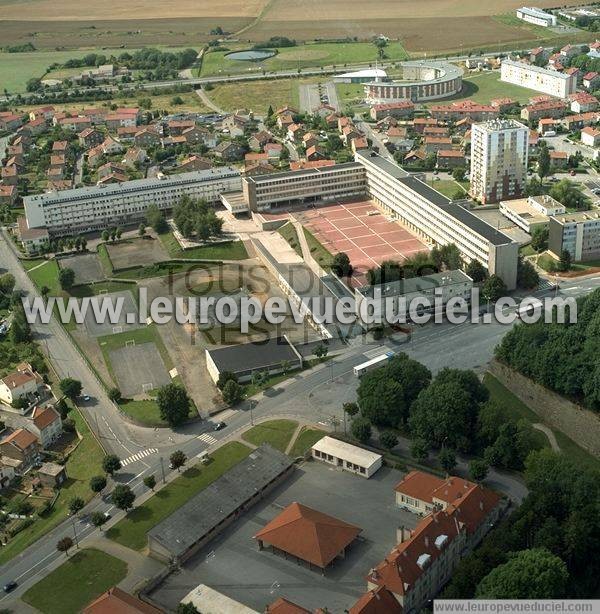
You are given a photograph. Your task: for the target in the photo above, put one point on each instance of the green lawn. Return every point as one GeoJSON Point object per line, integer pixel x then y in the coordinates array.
{"type": "Point", "coordinates": [350, 93]}
{"type": "Point", "coordinates": [102, 287]}
{"type": "Point", "coordinates": [449, 187]}
{"type": "Point", "coordinates": [288, 232]}
{"type": "Point", "coordinates": [485, 86]}
{"type": "Point", "coordinates": [44, 273]}
{"type": "Point", "coordinates": [83, 463]}
{"type": "Point", "coordinates": [301, 56]}
{"type": "Point", "coordinates": [228, 250]}
{"type": "Point", "coordinates": [144, 410]}
{"type": "Point", "coordinates": [319, 253]}
{"type": "Point", "coordinates": [306, 439]}
{"type": "Point", "coordinates": [519, 410]}
{"type": "Point", "coordinates": [105, 260]}
{"type": "Point", "coordinates": [131, 531]}
{"type": "Point", "coordinates": [81, 578]}
{"type": "Point", "coordinates": [275, 432]}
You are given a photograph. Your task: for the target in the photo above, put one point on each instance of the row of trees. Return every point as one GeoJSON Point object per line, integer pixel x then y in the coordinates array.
{"type": "Point", "coordinates": [564, 358]}
{"type": "Point", "coordinates": [196, 217]}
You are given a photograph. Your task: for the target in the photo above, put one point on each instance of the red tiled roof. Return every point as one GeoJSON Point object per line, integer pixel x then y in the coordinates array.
{"type": "Point", "coordinates": [44, 417]}
{"type": "Point", "coordinates": [419, 485]}
{"type": "Point", "coordinates": [21, 438]}
{"type": "Point", "coordinates": [294, 166]}
{"type": "Point", "coordinates": [308, 534]}
{"type": "Point", "coordinates": [377, 601]}
{"type": "Point", "coordinates": [284, 606]}
{"type": "Point", "coordinates": [117, 601]}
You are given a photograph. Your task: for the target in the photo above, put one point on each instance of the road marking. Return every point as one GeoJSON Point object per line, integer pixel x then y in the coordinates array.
{"type": "Point", "coordinates": [136, 457]}
{"type": "Point", "coordinates": [207, 438]}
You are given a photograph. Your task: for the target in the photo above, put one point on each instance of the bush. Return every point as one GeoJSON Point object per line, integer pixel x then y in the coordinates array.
{"type": "Point", "coordinates": [21, 526]}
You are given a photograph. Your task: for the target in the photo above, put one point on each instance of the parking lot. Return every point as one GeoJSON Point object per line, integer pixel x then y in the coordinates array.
{"type": "Point", "coordinates": [233, 565]}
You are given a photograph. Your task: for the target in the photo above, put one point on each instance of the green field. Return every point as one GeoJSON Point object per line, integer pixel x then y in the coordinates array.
{"type": "Point", "coordinates": [44, 273]}
{"type": "Point", "coordinates": [288, 232]}
{"type": "Point", "coordinates": [102, 287]}
{"type": "Point", "coordinates": [485, 86]}
{"type": "Point", "coordinates": [306, 439]}
{"type": "Point", "coordinates": [80, 579]}
{"type": "Point", "coordinates": [17, 68]}
{"type": "Point", "coordinates": [318, 251]}
{"type": "Point", "coordinates": [518, 410]}
{"type": "Point", "coordinates": [350, 93]}
{"type": "Point", "coordinates": [131, 531]}
{"type": "Point", "coordinates": [144, 410]}
{"type": "Point", "coordinates": [228, 250]}
{"type": "Point", "coordinates": [302, 56]}
{"type": "Point", "coordinates": [449, 187]}
{"type": "Point", "coordinates": [275, 432]}
{"type": "Point", "coordinates": [83, 463]}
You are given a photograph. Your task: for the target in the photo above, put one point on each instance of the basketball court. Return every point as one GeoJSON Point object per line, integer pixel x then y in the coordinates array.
{"type": "Point", "coordinates": [362, 231]}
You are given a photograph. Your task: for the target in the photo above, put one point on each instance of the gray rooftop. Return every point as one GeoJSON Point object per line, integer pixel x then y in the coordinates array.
{"type": "Point", "coordinates": [185, 527]}
{"type": "Point", "coordinates": [135, 185]}
{"type": "Point", "coordinates": [303, 171]}
{"type": "Point", "coordinates": [416, 284]}
{"type": "Point", "coordinates": [257, 355]}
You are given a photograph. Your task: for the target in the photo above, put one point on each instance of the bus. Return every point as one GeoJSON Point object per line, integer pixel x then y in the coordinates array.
{"type": "Point", "coordinates": [531, 307]}
{"type": "Point", "coordinates": [374, 363]}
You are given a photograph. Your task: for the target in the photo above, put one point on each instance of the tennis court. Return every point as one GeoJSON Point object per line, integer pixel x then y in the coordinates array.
{"type": "Point", "coordinates": [362, 231]}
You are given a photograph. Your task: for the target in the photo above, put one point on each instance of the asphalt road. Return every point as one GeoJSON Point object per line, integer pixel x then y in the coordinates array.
{"type": "Point", "coordinates": [315, 396]}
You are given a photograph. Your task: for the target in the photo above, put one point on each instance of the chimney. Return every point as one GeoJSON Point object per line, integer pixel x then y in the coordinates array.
{"type": "Point", "coordinates": [402, 534]}
{"type": "Point", "coordinates": [426, 541]}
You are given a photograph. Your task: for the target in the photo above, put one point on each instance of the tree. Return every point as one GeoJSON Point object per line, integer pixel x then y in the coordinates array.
{"type": "Point", "coordinates": [156, 219]}
{"type": "Point", "coordinates": [150, 482]}
{"type": "Point", "coordinates": [478, 470]}
{"type": "Point", "coordinates": [142, 229]}
{"type": "Point", "coordinates": [419, 450]}
{"type": "Point", "coordinates": [493, 288]}
{"type": "Point", "coordinates": [173, 404]}
{"type": "Point", "coordinates": [177, 459]}
{"type": "Point", "coordinates": [114, 394]}
{"type": "Point", "coordinates": [527, 276]}
{"type": "Point", "coordinates": [361, 429]}
{"type": "Point", "coordinates": [321, 351]}
{"type": "Point", "coordinates": [224, 377]}
{"type": "Point", "coordinates": [564, 263]}
{"type": "Point", "coordinates": [447, 459]}
{"type": "Point", "coordinates": [98, 519]}
{"type": "Point", "coordinates": [111, 463]}
{"type": "Point", "coordinates": [123, 497]}
{"type": "Point", "coordinates": [539, 238]}
{"type": "Point", "coordinates": [233, 393]}
{"type": "Point", "coordinates": [76, 505]}
{"type": "Point", "coordinates": [44, 291]}
{"type": "Point", "coordinates": [529, 574]}
{"type": "Point", "coordinates": [350, 408]}
{"type": "Point", "coordinates": [105, 235]}
{"type": "Point", "coordinates": [70, 387]}
{"type": "Point", "coordinates": [543, 164]}
{"type": "Point", "coordinates": [341, 265]}
{"type": "Point", "coordinates": [64, 545]}
{"type": "Point", "coordinates": [568, 193]}
{"type": "Point", "coordinates": [458, 174]}
{"type": "Point", "coordinates": [187, 608]}
{"type": "Point", "coordinates": [66, 278]}
{"type": "Point", "coordinates": [97, 483]}
{"type": "Point", "coordinates": [388, 439]}
{"type": "Point", "coordinates": [476, 271]}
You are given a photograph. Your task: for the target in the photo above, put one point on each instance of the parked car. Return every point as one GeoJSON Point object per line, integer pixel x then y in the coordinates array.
{"type": "Point", "coordinates": [219, 426]}
{"type": "Point", "coordinates": [10, 586]}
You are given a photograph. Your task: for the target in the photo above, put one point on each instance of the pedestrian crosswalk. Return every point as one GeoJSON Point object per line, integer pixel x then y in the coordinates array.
{"type": "Point", "coordinates": [136, 457]}
{"type": "Point", "coordinates": [207, 438]}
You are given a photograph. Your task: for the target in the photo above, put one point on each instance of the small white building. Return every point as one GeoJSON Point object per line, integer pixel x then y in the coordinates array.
{"type": "Point", "coordinates": [361, 76]}
{"type": "Point", "coordinates": [534, 15]}
{"type": "Point", "coordinates": [347, 456]}
{"type": "Point", "coordinates": [590, 136]}
{"type": "Point", "coordinates": [528, 213]}
{"type": "Point", "coordinates": [210, 601]}
{"type": "Point", "coordinates": [21, 382]}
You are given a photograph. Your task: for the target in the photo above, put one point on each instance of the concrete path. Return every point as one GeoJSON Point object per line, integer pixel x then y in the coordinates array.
{"type": "Point", "coordinates": [208, 102]}
{"type": "Point", "coordinates": [549, 434]}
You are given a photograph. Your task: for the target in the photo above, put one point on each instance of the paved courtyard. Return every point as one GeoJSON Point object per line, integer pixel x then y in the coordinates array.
{"type": "Point", "coordinates": [232, 563]}
{"type": "Point", "coordinates": [87, 267]}
{"type": "Point", "coordinates": [362, 231]}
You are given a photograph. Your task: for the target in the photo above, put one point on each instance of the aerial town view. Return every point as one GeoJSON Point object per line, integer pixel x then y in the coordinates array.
{"type": "Point", "coordinates": [299, 307]}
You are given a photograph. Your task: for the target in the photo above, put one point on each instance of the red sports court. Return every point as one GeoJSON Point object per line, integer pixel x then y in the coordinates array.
{"type": "Point", "coordinates": [362, 231]}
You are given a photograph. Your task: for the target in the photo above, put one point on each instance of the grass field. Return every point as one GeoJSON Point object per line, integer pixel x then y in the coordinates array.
{"type": "Point", "coordinates": [288, 232]}
{"type": "Point", "coordinates": [143, 410]}
{"type": "Point", "coordinates": [306, 439]}
{"type": "Point", "coordinates": [83, 463]}
{"type": "Point", "coordinates": [81, 578]}
{"type": "Point", "coordinates": [258, 95]}
{"type": "Point", "coordinates": [102, 287]}
{"type": "Point", "coordinates": [274, 432]}
{"type": "Point", "coordinates": [449, 187]}
{"type": "Point", "coordinates": [319, 253]}
{"type": "Point", "coordinates": [228, 250]}
{"type": "Point", "coordinates": [301, 56]}
{"type": "Point", "coordinates": [44, 273]}
{"type": "Point", "coordinates": [131, 531]}
{"type": "Point", "coordinates": [519, 410]}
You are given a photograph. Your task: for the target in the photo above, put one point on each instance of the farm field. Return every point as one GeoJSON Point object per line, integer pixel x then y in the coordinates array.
{"type": "Point", "coordinates": [301, 56]}
{"type": "Point", "coordinates": [17, 68]}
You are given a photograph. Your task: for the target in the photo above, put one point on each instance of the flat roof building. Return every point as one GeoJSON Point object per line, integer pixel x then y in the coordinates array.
{"type": "Point", "coordinates": [577, 233]}
{"type": "Point", "coordinates": [347, 456]}
{"type": "Point", "coordinates": [532, 14]}
{"type": "Point", "coordinates": [529, 213]}
{"type": "Point", "coordinates": [439, 220]}
{"type": "Point", "coordinates": [205, 515]}
{"type": "Point", "coordinates": [95, 208]}
{"type": "Point", "coordinates": [540, 79]}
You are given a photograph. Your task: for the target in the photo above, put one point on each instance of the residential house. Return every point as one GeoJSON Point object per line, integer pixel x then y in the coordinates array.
{"type": "Point", "coordinates": [591, 81]}
{"type": "Point", "coordinates": [195, 163]}
{"type": "Point", "coordinates": [579, 121]}
{"type": "Point", "coordinates": [558, 159]}
{"type": "Point", "coordinates": [414, 157]}
{"type": "Point", "coordinates": [547, 124]}
{"type": "Point", "coordinates": [127, 133]}
{"type": "Point", "coordinates": [35, 127]}
{"type": "Point", "coordinates": [94, 156]}
{"type": "Point", "coordinates": [433, 144]}
{"type": "Point", "coordinates": [503, 104]}
{"type": "Point", "coordinates": [309, 140]}
{"type": "Point", "coordinates": [10, 121]}
{"type": "Point", "coordinates": [358, 143]}
{"type": "Point", "coordinates": [332, 120]}
{"type": "Point", "coordinates": [419, 123]}
{"type": "Point", "coordinates": [229, 151]}
{"type": "Point", "coordinates": [117, 601]}
{"type": "Point", "coordinates": [197, 136]}
{"type": "Point", "coordinates": [436, 131]}
{"type": "Point", "coordinates": [583, 102]}
{"type": "Point", "coordinates": [349, 132]}
{"type": "Point", "coordinates": [573, 71]}
{"type": "Point", "coordinates": [253, 158]}
{"type": "Point", "coordinates": [324, 110]}
{"type": "Point", "coordinates": [22, 446]}
{"type": "Point", "coordinates": [284, 120]}
{"type": "Point", "coordinates": [235, 125]}
{"type": "Point", "coordinates": [10, 175]}
{"type": "Point", "coordinates": [56, 185]}
{"type": "Point", "coordinates": [32, 239]}
{"type": "Point", "coordinates": [466, 108]}
{"type": "Point", "coordinates": [111, 146]}
{"type": "Point", "coordinates": [395, 134]}
{"type": "Point", "coordinates": [259, 168]}
{"type": "Point", "coordinates": [342, 122]}
{"type": "Point", "coordinates": [402, 108]}
{"type": "Point", "coordinates": [177, 127]}
{"type": "Point", "coordinates": [45, 113]}
{"type": "Point", "coordinates": [135, 155]}
{"type": "Point", "coordinates": [590, 136]}
{"type": "Point", "coordinates": [90, 137]}
{"type": "Point", "coordinates": [173, 141]}
{"type": "Point", "coordinates": [259, 140]}
{"type": "Point", "coordinates": [117, 120]}
{"type": "Point", "coordinates": [295, 132]}
{"type": "Point", "coordinates": [46, 425]}
{"type": "Point", "coordinates": [388, 122]}
{"type": "Point", "coordinates": [52, 475]}
{"type": "Point", "coordinates": [463, 125]}
{"type": "Point", "coordinates": [96, 116]}
{"type": "Point", "coordinates": [534, 138]}
{"type": "Point", "coordinates": [550, 108]}
{"type": "Point", "coordinates": [451, 158]}
{"type": "Point", "coordinates": [8, 195]}
{"type": "Point", "coordinates": [147, 137]}
{"type": "Point", "coordinates": [60, 146]}
{"type": "Point", "coordinates": [8, 468]}
{"type": "Point", "coordinates": [273, 150]}
{"type": "Point", "coordinates": [111, 167]}
{"type": "Point", "coordinates": [75, 124]}
{"type": "Point", "coordinates": [316, 152]}
{"type": "Point", "coordinates": [114, 177]}
{"type": "Point", "coordinates": [538, 55]}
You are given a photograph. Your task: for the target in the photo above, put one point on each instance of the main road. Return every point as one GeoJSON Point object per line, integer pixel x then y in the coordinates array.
{"type": "Point", "coordinates": [315, 396]}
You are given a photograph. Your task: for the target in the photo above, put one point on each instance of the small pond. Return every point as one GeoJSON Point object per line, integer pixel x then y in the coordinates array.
{"type": "Point", "coordinates": [251, 55]}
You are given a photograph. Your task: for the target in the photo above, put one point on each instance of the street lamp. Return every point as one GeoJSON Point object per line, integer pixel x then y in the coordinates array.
{"type": "Point", "coordinates": [75, 531]}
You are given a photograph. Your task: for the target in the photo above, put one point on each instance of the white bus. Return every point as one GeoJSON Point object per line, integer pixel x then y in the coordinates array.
{"type": "Point", "coordinates": [374, 363]}
{"type": "Point", "coordinates": [531, 307]}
